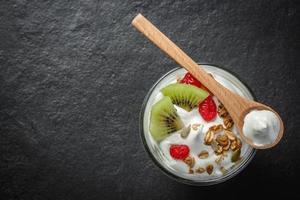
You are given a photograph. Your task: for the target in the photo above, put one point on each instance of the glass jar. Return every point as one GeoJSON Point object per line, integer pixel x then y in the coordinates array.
{"type": "Point", "coordinates": [227, 79]}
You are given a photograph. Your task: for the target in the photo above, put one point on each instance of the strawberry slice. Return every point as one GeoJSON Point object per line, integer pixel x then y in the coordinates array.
{"type": "Point", "coordinates": [190, 79]}
{"type": "Point", "coordinates": [208, 109]}
{"type": "Point", "coordinates": [179, 151]}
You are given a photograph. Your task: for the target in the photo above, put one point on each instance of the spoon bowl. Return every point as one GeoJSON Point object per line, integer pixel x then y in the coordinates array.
{"type": "Point", "coordinates": [260, 106]}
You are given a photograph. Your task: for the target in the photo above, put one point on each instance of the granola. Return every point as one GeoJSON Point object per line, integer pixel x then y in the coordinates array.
{"type": "Point", "coordinates": [190, 161]}
{"type": "Point", "coordinates": [203, 154]}
{"type": "Point", "coordinates": [200, 170]}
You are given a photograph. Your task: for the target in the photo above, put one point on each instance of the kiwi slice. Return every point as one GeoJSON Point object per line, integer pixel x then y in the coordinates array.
{"type": "Point", "coordinates": [184, 95]}
{"type": "Point", "coordinates": [164, 119]}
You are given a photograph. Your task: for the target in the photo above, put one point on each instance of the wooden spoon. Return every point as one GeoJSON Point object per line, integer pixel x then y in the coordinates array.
{"type": "Point", "coordinates": [236, 105]}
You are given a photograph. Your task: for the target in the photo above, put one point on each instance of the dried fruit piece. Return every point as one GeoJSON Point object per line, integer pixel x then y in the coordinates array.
{"type": "Point", "coordinates": [208, 137]}
{"type": "Point", "coordinates": [236, 155]}
{"type": "Point", "coordinates": [190, 161]}
{"type": "Point", "coordinates": [200, 170]}
{"type": "Point", "coordinates": [208, 109]}
{"type": "Point", "coordinates": [209, 169]}
{"type": "Point", "coordinates": [203, 154]}
{"type": "Point", "coordinates": [179, 152]}
{"type": "Point", "coordinates": [185, 131]}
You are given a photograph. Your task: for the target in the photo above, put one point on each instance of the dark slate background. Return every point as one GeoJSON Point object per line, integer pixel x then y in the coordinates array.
{"type": "Point", "coordinates": [73, 75]}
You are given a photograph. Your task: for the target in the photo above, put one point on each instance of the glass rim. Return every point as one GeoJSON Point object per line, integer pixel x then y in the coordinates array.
{"type": "Point", "coordinates": [160, 166]}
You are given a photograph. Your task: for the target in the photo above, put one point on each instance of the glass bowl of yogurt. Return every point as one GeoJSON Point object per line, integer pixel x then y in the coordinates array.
{"type": "Point", "coordinates": [204, 148]}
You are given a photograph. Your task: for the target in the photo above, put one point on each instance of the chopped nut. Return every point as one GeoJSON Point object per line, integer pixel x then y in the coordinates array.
{"type": "Point", "coordinates": [200, 170]}
{"type": "Point", "coordinates": [226, 148]}
{"type": "Point", "coordinates": [222, 112]}
{"type": "Point", "coordinates": [203, 154]}
{"type": "Point", "coordinates": [208, 137]}
{"type": "Point", "coordinates": [214, 145]}
{"type": "Point", "coordinates": [219, 159]}
{"type": "Point", "coordinates": [185, 131]}
{"type": "Point", "coordinates": [216, 128]}
{"type": "Point", "coordinates": [228, 122]}
{"type": "Point", "coordinates": [195, 126]}
{"type": "Point", "coordinates": [219, 150]}
{"type": "Point", "coordinates": [233, 145]}
{"type": "Point", "coordinates": [238, 143]}
{"type": "Point", "coordinates": [190, 161]}
{"type": "Point", "coordinates": [230, 135]}
{"type": "Point", "coordinates": [221, 106]}
{"type": "Point", "coordinates": [223, 170]}
{"type": "Point", "coordinates": [236, 155]}
{"type": "Point", "coordinates": [191, 171]}
{"type": "Point", "coordinates": [209, 169]}
{"type": "Point", "coordinates": [222, 140]}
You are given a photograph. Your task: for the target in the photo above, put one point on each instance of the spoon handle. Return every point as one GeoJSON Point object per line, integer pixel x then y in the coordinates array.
{"type": "Point", "coordinates": [165, 44]}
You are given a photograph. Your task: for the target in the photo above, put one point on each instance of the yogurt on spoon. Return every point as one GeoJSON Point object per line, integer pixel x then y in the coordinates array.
{"type": "Point", "coordinates": [261, 126]}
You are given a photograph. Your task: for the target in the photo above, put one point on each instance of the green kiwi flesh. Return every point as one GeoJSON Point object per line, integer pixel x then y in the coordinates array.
{"type": "Point", "coordinates": [184, 95]}
{"type": "Point", "coordinates": [164, 119]}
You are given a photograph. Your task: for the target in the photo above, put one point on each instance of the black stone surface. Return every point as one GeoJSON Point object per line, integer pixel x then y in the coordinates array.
{"type": "Point", "coordinates": [73, 75]}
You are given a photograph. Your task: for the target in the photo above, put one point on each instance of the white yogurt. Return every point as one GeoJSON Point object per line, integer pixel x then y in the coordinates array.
{"type": "Point", "coordinates": [196, 137]}
{"type": "Point", "coordinates": [195, 142]}
{"type": "Point", "coordinates": [261, 126]}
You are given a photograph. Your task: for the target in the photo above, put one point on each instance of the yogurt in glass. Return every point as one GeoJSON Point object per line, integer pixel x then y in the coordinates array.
{"type": "Point", "coordinates": [223, 167]}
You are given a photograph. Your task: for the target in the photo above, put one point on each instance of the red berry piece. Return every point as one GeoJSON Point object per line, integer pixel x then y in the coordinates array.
{"type": "Point", "coordinates": [179, 151]}
{"type": "Point", "coordinates": [189, 79]}
{"type": "Point", "coordinates": [208, 109]}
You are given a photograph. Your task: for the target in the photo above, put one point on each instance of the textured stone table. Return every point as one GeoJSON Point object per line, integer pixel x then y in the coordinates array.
{"type": "Point", "coordinates": [73, 75]}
